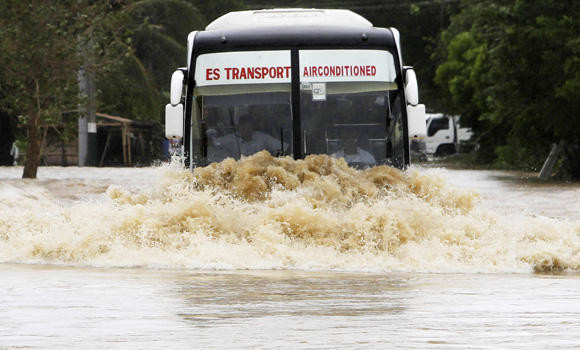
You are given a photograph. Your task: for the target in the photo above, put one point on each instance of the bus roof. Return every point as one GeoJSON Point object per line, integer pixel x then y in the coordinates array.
{"type": "Point", "coordinates": [289, 17]}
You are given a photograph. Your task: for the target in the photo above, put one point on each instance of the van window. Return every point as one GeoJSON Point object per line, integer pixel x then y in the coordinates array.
{"type": "Point", "coordinates": [441, 123]}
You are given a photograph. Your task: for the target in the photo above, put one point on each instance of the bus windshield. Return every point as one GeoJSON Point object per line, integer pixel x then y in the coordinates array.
{"type": "Point", "coordinates": [349, 106]}
{"type": "Point", "coordinates": [364, 128]}
{"type": "Point", "coordinates": [351, 111]}
{"type": "Point", "coordinates": [242, 124]}
{"type": "Point", "coordinates": [242, 104]}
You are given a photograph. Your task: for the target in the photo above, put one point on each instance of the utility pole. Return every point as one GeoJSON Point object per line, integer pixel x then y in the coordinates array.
{"type": "Point", "coordinates": [87, 125]}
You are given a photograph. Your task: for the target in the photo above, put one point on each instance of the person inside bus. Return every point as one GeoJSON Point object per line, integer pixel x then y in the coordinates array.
{"type": "Point", "coordinates": [350, 150]}
{"type": "Point", "coordinates": [249, 139]}
{"type": "Point", "coordinates": [219, 134]}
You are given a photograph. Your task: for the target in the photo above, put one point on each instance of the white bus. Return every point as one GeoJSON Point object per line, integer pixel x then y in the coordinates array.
{"type": "Point", "coordinates": [295, 82]}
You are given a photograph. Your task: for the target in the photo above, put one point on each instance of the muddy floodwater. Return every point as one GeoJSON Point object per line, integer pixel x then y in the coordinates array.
{"type": "Point", "coordinates": [275, 253]}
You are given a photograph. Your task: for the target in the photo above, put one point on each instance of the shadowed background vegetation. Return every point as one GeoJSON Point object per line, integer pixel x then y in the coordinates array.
{"type": "Point", "coordinates": [511, 69]}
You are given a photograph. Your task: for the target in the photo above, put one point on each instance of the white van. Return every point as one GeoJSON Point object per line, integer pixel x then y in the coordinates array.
{"type": "Point", "coordinates": [444, 134]}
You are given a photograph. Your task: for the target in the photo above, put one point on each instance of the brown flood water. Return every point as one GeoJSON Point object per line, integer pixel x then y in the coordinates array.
{"type": "Point", "coordinates": [276, 253]}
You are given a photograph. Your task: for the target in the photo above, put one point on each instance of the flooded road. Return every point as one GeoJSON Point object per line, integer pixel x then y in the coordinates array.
{"type": "Point", "coordinates": [513, 192]}
{"type": "Point", "coordinates": [48, 307]}
{"type": "Point", "coordinates": [141, 258]}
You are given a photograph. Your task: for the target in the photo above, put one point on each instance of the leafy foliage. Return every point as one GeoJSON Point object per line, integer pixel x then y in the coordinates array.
{"type": "Point", "coordinates": [40, 57]}
{"type": "Point", "coordinates": [154, 38]}
{"type": "Point", "coordinates": [511, 69]}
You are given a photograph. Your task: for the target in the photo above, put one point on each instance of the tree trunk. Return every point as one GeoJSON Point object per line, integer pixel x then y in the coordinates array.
{"type": "Point", "coordinates": [32, 150]}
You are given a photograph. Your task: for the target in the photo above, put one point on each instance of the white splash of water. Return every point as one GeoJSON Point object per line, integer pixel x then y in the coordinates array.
{"type": "Point", "coordinates": [278, 213]}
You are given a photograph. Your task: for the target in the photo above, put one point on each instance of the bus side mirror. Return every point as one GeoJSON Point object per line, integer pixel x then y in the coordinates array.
{"type": "Point", "coordinates": [174, 110]}
{"type": "Point", "coordinates": [416, 122]}
{"type": "Point", "coordinates": [176, 87]}
{"type": "Point", "coordinates": [411, 87]}
{"type": "Point", "coordinates": [174, 121]}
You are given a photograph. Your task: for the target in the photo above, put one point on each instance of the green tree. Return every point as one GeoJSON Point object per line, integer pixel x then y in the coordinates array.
{"type": "Point", "coordinates": [155, 38]}
{"type": "Point", "coordinates": [40, 58]}
{"type": "Point", "coordinates": [133, 47]}
{"type": "Point", "coordinates": [511, 67]}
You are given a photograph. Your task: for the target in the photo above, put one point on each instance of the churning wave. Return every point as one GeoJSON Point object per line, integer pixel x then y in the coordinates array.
{"type": "Point", "coordinates": [263, 212]}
